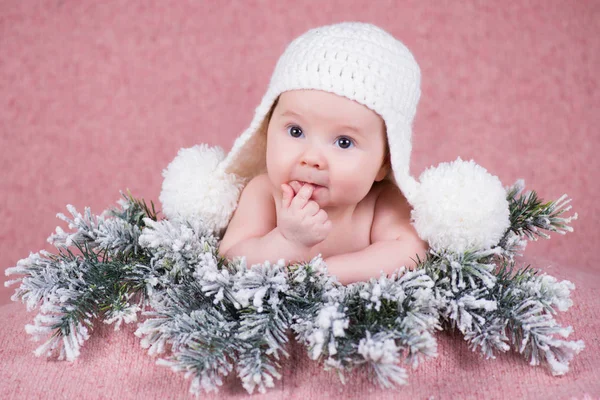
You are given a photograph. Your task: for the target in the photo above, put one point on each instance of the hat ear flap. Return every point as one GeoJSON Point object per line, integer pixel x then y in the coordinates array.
{"type": "Point", "coordinates": [250, 160]}
{"type": "Point", "coordinates": [247, 157]}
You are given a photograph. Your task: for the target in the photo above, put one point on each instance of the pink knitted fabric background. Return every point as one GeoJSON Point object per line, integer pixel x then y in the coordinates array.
{"type": "Point", "coordinates": [97, 97]}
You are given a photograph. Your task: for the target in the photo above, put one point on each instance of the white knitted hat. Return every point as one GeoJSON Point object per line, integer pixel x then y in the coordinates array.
{"type": "Point", "coordinates": [358, 61]}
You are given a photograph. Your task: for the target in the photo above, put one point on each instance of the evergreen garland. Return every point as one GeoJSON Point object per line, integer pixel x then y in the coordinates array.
{"type": "Point", "coordinates": [206, 316]}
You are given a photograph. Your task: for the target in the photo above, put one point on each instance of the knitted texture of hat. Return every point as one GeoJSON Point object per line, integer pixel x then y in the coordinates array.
{"type": "Point", "coordinates": [358, 61]}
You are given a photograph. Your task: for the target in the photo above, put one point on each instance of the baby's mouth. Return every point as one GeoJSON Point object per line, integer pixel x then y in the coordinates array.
{"type": "Point", "coordinates": [297, 185]}
{"type": "Point", "coordinates": [310, 183]}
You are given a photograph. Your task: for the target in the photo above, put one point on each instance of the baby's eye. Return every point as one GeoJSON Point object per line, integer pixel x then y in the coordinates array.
{"type": "Point", "coordinates": [295, 131]}
{"type": "Point", "coordinates": [344, 142]}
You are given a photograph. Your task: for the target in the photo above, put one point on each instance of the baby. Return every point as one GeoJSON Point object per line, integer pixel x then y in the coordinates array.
{"type": "Point", "coordinates": [328, 156]}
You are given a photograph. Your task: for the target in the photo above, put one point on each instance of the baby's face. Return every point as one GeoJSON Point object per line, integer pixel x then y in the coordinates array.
{"type": "Point", "coordinates": [327, 140]}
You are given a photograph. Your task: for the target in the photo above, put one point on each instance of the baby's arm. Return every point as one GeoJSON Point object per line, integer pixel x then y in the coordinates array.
{"type": "Point", "coordinates": [395, 242]}
{"type": "Point", "coordinates": [252, 231]}
{"type": "Point", "coordinates": [257, 232]}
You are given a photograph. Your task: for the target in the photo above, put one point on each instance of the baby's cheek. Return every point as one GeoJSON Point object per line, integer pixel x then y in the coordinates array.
{"type": "Point", "coordinates": [275, 165]}
{"type": "Point", "coordinates": [353, 188]}
{"type": "Point", "coordinates": [276, 176]}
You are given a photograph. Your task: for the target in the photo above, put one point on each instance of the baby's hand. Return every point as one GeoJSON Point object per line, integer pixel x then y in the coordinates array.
{"type": "Point", "coordinates": [300, 219]}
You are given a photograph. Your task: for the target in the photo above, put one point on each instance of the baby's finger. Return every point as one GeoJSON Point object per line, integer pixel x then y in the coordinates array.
{"type": "Point", "coordinates": [321, 217]}
{"type": "Point", "coordinates": [287, 195]}
{"type": "Point", "coordinates": [311, 208]}
{"type": "Point", "coordinates": [300, 200]}
{"type": "Point", "coordinates": [296, 186]}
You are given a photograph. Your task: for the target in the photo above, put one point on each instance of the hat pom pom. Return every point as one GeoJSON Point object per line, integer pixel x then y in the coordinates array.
{"type": "Point", "coordinates": [460, 206]}
{"type": "Point", "coordinates": [195, 187]}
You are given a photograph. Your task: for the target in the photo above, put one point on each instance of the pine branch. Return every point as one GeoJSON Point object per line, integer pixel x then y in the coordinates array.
{"type": "Point", "coordinates": [529, 216]}
{"type": "Point", "coordinates": [371, 323]}
{"type": "Point", "coordinates": [134, 211]}
{"type": "Point", "coordinates": [71, 291]}
{"type": "Point", "coordinates": [210, 315]}
{"type": "Point", "coordinates": [94, 275]}
{"type": "Point", "coordinates": [256, 369]}
{"type": "Point", "coordinates": [207, 350]}
{"type": "Point", "coordinates": [264, 322]}
{"type": "Point", "coordinates": [529, 302]}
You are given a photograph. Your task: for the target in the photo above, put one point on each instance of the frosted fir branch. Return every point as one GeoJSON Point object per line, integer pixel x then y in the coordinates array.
{"type": "Point", "coordinates": [522, 318]}
{"type": "Point", "coordinates": [262, 283]}
{"type": "Point", "coordinates": [209, 312]}
{"type": "Point", "coordinates": [257, 370]}
{"type": "Point", "coordinates": [467, 301]}
{"type": "Point", "coordinates": [200, 337]}
{"type": "Point", "coordinates": [469, 310]}
{"type": "Point", "coordinates": [42, 276]}
{"type": "Point", "coordinates": [122, 310]}
{"type": "Point", "coordinates": [382, 356]}
{"type": "Point", "coordinates": [263, 325]}
{"type": "Point", "coordinates": [63, 333]}
{"type": "Point", "coordinates": [66, 307]}
{"type": "Point", "coordinates": [537, 336]}
{"type": "Point", "coordinates": [185, 252]}
{"type": "Point", "coordinates": [83, 228]}
{"type": "Point", "coordinates": [381, 289]}
{"type": "Point", "coordinates": [330, 323]}
{"type": "Point", "coordinates": [117, 236]}
{"type": "Point", "coordinates": [265, 330]}
{"type": "Point", "coordinates": [217, 278]}
{"type": "Point", "coordinates": [463, 297]}
{"type": "Point", "coordinates": [310, 287]}
{"type": "Point", "coordinates": [190, 236]}
{"type": "Point", "coordinates": [548, 291]}
{"type": "Point", "coordinates": [493, 329]}
{"type": "Point", "coordinates": [133, 211]}
{"type": "Point", "coordinates": [71, 290]}
{"type": "Point", "coordinates": [177, 249]}
{"type": "Point", "coordinates": [528, 303]}
{"type": "Point", "coordinates": [264, 292]}
{"type": "Point", "coordinates": [418, 317]}
{"type": "Point", "coordinates": [530, 217]}
{"type": "Point", "coordinates": [513, 245]}
{"type": "Point", "coordinates": [401, 308]}
{"type": "Point", "coordinates": [90, 278]}
{"type": "Point", "coordinates": [159, 330]}
{"type": "Point", "coordinates": [264, 319]}
{"type": "Point", "coordinates": [206, 369]}
{"type": "Point", "coordinates": [489, 337]}
{"type": "Point", "coordinates": [472, 269]}
{"type": "Point", "coordinates": [462, 284]}
{"type": "Point", "coordinates": [257, 338]}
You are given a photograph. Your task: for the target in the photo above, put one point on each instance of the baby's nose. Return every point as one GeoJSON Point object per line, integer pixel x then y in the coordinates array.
{"type": "Point", "coordinates": [313, 158]}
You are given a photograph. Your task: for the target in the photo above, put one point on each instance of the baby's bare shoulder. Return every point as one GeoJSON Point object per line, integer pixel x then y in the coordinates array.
{"type": "Point", "coordinates": [260, 183]}
{"type": "Point", "coordinates": [391, 214]}
{"type": "Point", "coordinates": [255, 213]}
{"type": "Point", "coordinates": [257, 196]}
